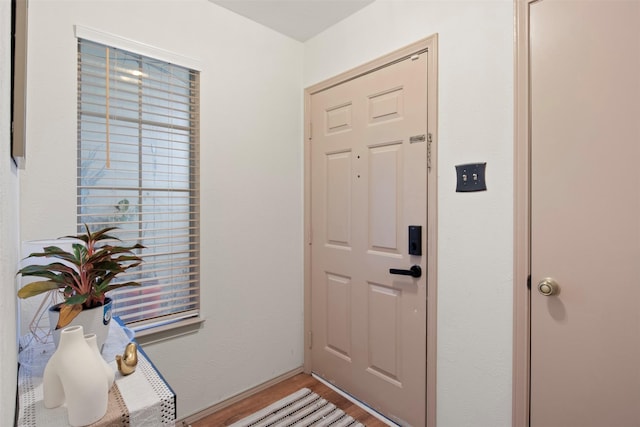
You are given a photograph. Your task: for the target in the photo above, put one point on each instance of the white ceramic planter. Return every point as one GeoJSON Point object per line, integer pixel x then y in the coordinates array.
{"type": "Point", "coordinates": [94, 321]}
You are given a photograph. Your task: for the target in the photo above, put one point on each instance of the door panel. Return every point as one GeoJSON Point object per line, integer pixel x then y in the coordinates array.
{"type": "Point", "coordinates": [585, 216]}
{"type": "Point", "coordinates": [368, 184]}
{"type": "Point", "coordinates": [338, 316]}
{"type": "Point", "coordinates": [384, 180]}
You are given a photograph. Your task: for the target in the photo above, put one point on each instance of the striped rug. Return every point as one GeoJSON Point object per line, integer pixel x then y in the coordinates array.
{"type": "Point", "coordinates": [302, 408]}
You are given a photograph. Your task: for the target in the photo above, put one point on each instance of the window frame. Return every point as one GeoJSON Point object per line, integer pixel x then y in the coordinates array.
{"type": "Point", "coordinates": [159, 324]}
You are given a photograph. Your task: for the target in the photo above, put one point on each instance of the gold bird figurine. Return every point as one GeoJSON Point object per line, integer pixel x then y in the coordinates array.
{"type": "Point", "coordinates": [129, 360]}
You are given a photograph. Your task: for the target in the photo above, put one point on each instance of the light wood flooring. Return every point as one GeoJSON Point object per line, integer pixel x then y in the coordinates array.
{"type": "Point", "coordinates": [245, 407]}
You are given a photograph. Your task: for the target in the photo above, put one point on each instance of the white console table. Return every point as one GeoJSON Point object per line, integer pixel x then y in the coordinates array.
{"type": "Point", "coordinates": [141, 399]}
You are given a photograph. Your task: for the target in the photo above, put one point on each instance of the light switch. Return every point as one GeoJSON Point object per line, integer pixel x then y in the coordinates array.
{"type": "Point", "coordinates": [471, 177]}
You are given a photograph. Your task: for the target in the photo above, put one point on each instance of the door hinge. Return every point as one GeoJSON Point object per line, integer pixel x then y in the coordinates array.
{"type": "Point", "coordinates": [310, 131]}
{"type": "Point", "coordinates": [429, 141]}
{"type": "Point", "coordinates": [529, 282]}
{"type": "Point", "coordinates": [310, 340]}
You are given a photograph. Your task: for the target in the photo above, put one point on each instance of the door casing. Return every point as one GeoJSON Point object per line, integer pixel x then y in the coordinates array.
{"type": "Point", "coordinates": [430, 44]}
{"type": "Point", "coordinates": [521, 223]}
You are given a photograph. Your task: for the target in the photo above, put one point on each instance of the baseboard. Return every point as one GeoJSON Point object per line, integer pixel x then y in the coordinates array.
{"type": "Point", "coordinates": [186, 421]}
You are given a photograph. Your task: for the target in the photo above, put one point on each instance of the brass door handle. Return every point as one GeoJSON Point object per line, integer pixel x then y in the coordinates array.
{"type": "Point", "coordinates": [548, 287]}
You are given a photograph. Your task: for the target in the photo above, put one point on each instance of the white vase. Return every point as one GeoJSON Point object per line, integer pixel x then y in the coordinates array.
{"type": "Point", "coordinates": [93, 343]}
{"type": "Point", "coordinates": [76, 376]}
{"type": "Point", "coordinates": [94, 321]}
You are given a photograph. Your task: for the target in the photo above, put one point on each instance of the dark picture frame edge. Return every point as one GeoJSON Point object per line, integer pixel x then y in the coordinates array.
{"type": "Point", "coordinates": [18, 80]}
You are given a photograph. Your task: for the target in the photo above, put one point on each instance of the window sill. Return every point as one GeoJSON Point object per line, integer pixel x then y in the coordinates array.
{"type": "Point", "coordinates": [169, 331]}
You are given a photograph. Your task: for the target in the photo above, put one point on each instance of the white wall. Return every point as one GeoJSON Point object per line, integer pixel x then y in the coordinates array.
{"type": "Point", "coordinates": [8, 230]}
{"type": "Point", "coordinates": [475, 229]}
{"type": "Point", "coordinates": [251, 179]}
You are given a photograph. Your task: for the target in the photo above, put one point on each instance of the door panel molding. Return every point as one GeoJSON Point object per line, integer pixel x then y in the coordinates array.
{"type": "Point", "coordinates": [522, 228]}
{"type": "Point", "coordinates": [430, 45]}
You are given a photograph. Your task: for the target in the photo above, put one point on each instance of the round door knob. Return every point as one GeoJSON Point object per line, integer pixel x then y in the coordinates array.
{"type": "Point", "coordinates": [548, 287]}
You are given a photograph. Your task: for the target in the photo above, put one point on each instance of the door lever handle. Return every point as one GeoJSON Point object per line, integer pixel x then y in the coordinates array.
{"type": "Point", "coordinates": [414, 271]}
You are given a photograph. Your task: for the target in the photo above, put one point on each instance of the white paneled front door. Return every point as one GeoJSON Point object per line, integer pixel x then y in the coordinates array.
{"type": "Point", "coordinates": [368, 186]}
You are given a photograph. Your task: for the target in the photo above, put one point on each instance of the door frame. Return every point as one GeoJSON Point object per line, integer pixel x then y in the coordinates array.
{"type": "Point", "coordinates": [430, 45]}
{"type": "Point", "coordinates": [522, 219]}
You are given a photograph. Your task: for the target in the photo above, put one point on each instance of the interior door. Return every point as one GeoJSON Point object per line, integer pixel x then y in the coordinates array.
{"type": "Point", "coordinates": [585, 213]}
{"type": "Point", "coordinates": [368, 186]}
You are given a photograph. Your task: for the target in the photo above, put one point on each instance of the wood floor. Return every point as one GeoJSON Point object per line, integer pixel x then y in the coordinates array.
{"type": "Point", "coordinates": [241, 409]}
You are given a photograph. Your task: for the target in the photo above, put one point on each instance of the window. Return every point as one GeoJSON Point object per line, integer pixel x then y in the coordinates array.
{"type": "Point", "coordinates": [138, 169]}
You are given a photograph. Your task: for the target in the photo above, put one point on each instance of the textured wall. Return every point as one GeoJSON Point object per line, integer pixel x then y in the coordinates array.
{"type": "Point", "coordinates": [251, 179]}
{"type": "Point", "coordinates": [474, 229]}
{"type": "Point", "coordinates": [8, 230]}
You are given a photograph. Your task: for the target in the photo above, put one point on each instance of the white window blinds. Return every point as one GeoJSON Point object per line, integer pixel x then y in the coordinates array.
{"type": "Point", "coordinates": [138, 169]}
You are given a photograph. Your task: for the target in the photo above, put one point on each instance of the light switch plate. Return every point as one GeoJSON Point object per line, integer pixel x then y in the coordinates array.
{"type": "Point", "coordinates": [471, 177]}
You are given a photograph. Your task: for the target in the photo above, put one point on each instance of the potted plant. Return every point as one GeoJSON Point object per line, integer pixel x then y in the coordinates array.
{"type": "Point", "coordinates": [84, 277]}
